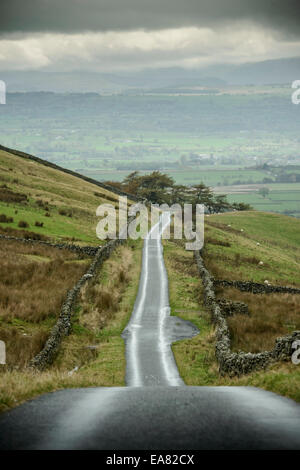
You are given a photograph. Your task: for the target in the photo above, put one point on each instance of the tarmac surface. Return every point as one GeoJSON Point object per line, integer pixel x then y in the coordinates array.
{"type": "Point", "coordinates": [156, 411]}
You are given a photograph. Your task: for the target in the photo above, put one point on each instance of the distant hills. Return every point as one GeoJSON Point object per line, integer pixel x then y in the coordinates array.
{"type": "Point", "coordinates": [281, 71]}
{"type": "Point", "coordinates": [260, 73]}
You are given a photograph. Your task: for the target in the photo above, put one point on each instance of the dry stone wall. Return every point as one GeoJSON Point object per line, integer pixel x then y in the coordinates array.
{"type": "Point", "coordinates": [230, 307]}
{"type": "Point", "coordinates": [62, 327]}
{"type": "Point", "coordinates": [234, 363]}
{"type": "Point", "coordinates": [83, 250]}
{"type": "Point", "coordinates": [256, 288]}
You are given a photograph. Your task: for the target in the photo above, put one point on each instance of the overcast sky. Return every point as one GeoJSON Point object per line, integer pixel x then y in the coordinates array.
{"type": "Point", "coordinates": [110, 35]}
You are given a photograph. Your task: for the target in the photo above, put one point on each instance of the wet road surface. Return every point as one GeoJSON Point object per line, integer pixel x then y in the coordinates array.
{"type": "Point", "coordinates": [156, 410]}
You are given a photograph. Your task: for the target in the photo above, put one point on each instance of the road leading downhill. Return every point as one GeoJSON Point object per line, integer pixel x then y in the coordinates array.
{"type": "Point", "coordinates": [151, 330]}
{"type": "Point", "coordinates": [155, 411]}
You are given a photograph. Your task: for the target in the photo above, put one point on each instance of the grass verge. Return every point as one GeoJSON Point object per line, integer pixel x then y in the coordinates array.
{"type": "Point", "coordinates": [195, 357]}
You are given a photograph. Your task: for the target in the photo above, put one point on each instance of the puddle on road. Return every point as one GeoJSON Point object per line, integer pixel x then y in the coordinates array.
{"type": "Point", "coordinates": [176, 329]}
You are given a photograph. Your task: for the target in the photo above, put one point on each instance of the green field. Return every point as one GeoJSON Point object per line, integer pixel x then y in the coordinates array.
{"type": "Point", "coordinates": [211, 176]}
{"type": "Point", "coordinates": [147, 131]}
{"type": "Point", "coordinates": [283, 198]}
{"type": "Point", "coordinates": [244, 135]}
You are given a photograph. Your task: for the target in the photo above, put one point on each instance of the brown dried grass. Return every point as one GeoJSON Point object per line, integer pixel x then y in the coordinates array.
{"type": "Point", "coordinates": [12, 232]}
{"type": "Point", "coordinates": [8, 195]}
{"type": "Point", "coordinates": [271, 316]}
{"type": "Point", "coordinates": [34, 280]}
{"type": "Point", "coordinates": [20, 346]}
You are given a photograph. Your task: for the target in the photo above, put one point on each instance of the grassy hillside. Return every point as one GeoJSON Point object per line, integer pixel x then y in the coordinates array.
{"type": "Point", "coordinates": [40, 202]}
{"type": "Point", "coordinates": [34, 281]}
{"type": "Point", "coordinates": [260, 247]}
{"type": "Point", "coordinates": [252, 237]}
{"type": "Point", "coordinates": [32, 194]}
{"type": "Point", "coordinates": [232, 254]}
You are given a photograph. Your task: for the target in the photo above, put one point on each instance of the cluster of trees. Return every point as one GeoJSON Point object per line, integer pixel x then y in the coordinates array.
{"type": "Point", "coordinates": [263, 191]}
{"type": "Point", "coordinates": [280, 174]}
{"type": "Point", "coordinates": [283, 178]}
{"type": "Point", "coordinates": [160, 188]}
{"type": "Point", "coordinates": [288, 178]}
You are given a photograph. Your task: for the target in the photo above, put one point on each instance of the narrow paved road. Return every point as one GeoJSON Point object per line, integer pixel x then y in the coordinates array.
{"type": "Point", "coordinates": [155, 411]}
{"type": "Point", "coordinates": [151, 330]}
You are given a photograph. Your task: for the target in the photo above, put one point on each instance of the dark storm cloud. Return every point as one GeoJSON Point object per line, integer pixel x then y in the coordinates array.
{"type": "Point", "coordinates": [103, 15]}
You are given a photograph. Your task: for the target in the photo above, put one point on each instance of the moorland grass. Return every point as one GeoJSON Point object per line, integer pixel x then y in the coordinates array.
{"type": "Point", "coordinates": [33, 285]}
{"type": "Point", "coordinates": [195, 357]}
{"type": "Point", "coordinates": [95, 345]}
{"type": "Point", "coordinates": [271, 316]}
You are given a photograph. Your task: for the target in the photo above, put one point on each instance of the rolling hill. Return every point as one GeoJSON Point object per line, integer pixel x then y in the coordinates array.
{"type": "Point", "coordinates": [43, 202]}
{"type": "Point", "coordinates": [50, 201]}
{"type": "Point", "coordinates": [247, 246]}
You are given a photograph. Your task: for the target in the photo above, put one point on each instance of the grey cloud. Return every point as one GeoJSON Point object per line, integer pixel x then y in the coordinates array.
{"type": "Point", "coordinates": [104, 15]}
{"type": "Point", "coordinates": [185, 47]}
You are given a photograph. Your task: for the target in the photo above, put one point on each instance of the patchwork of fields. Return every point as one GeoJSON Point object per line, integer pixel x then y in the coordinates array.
{"type": "Point", "coordinates": [282, 197]}
{"type": "Point", "coordinates": [240, 136]}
